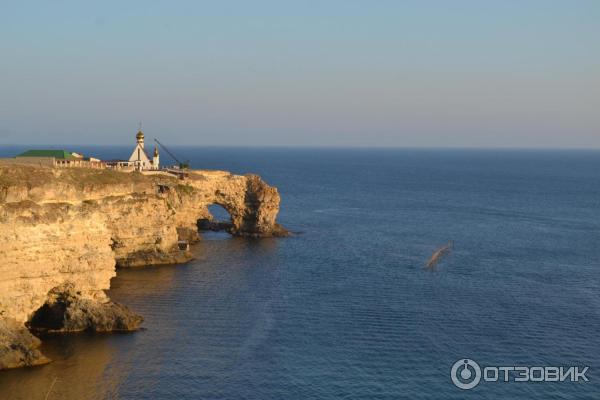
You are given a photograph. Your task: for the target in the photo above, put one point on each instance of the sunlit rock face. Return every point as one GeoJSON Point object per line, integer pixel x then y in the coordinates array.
{"type": "Point", "coordinates": [66, 310]}
{"type": "Point", "coordinates": [75, 226]}
{"type": "Point", "coordinates": [45, 245]}
{"type": "Point", "coordinates": [18, 347]}
{"type": "Point", "coordinates": [252, 204]}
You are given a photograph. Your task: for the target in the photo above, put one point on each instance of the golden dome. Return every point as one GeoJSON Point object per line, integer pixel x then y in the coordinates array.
{"type": "Point", "coordinates": [140, 135]}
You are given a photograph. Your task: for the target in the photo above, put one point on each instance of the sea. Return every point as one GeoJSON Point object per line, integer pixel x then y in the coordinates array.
{"type": "Point", "coordinates": [345, 308]}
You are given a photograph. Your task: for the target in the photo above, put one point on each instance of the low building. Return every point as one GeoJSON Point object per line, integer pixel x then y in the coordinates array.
{"type": "Point", "coordinates": [119, 164]}
{"type": "Point", "coordinates": [59, 158]}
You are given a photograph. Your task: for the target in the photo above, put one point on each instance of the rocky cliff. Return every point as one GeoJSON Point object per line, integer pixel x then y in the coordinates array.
{"type": "Point", "coordinates": [63, 232]}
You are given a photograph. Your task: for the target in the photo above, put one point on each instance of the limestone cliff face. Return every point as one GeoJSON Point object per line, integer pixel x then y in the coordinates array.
{"type": "Point", "coordinates": [44, 245]}
{"type": "Point", "coordinates": [70, 228]}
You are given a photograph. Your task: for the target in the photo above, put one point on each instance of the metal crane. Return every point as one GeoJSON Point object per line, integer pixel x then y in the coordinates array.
{"type": "Point", "coordinates": [182, 165]}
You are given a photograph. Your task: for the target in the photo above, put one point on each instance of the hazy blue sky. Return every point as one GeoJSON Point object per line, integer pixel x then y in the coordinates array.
{"type": "Point", "coordinates": [322, 72]}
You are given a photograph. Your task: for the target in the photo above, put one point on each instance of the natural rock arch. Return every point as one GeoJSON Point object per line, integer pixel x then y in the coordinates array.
{"type": "Point", "coordinates": [251, 203]}
{"type": "Point", "coordinates": [63, 230]}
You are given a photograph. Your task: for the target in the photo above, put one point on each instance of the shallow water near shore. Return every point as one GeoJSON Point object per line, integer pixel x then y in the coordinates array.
{"type": "Point", "coordinates": [345, 309]}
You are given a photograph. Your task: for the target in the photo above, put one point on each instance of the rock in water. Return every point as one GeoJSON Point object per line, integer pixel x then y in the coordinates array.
{"type": "Point", "coordinates": [18, 347]}
{"type": "Point", "coordinates": [66, 311]}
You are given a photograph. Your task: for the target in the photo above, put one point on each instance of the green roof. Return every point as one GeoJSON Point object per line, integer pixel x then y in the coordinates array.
{"type": "Point", "coordinates": [61, 154]}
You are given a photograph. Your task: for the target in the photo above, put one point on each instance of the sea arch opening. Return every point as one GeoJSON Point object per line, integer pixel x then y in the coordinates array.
{"type": "Point", "coordinates": [219, 220]}
{"type": "Point", "coordinates": [219, 213]}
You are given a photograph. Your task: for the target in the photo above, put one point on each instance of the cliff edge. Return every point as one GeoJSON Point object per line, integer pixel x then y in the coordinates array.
{"type": "Point", "coordinates": [63, 232]}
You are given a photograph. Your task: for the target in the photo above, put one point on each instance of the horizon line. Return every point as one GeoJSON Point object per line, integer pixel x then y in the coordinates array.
{"type": "Point", "coordinates": [340, 147]}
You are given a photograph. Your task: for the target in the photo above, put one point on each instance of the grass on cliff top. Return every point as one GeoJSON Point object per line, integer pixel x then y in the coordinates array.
{"type": "Point", "coordinates": [185, 189]}
{"type": "Point", "coordinates": [12, 174]}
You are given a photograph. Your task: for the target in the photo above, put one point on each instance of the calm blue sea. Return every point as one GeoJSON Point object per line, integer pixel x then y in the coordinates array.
{"type": "Point", "coordinates": [345, 309]}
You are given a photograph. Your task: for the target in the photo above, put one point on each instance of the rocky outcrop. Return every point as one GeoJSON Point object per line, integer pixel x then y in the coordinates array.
{"type": "Point", "coordinates": [18, 347]}
{"type": "Point", "coordinates": [66, 311]}
{"type": "Point", "coordinates": [251, 203]}
{"type": "Point", "coordinates": [63, 231]}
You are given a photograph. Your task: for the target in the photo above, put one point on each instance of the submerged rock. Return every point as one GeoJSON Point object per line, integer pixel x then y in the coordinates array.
{"type": "Point", "coordinates": [438, 254]}
{"type": "Point", "coordinates": [18, 347]}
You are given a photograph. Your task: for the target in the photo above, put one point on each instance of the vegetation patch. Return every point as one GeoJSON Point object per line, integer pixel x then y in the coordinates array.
{"type": "Point", "coordinates": [185, 189]}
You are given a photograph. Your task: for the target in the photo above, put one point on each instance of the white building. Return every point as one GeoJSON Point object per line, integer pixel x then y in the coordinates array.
{"type": "Point", "coordinates": [139, 159]}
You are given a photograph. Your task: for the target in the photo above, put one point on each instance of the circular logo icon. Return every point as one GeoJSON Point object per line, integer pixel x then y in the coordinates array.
{"type": "Point", "coordinates": [465, 374]}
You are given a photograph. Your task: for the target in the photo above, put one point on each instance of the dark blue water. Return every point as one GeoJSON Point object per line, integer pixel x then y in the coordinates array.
{"type": "Point", "coordinates": [345, 309]}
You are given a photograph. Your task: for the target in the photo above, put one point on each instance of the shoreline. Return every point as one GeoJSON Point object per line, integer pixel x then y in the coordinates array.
{"type": "Point", "coordinates": [66, 231]}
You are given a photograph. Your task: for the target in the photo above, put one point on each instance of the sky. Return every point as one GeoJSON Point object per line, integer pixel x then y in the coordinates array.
{"type": "Point", "coordinates": [385, 73]}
